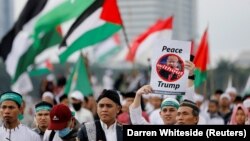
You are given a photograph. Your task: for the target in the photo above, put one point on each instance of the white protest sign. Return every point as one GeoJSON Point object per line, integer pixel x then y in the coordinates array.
{"type": "Point", "coordinates": [168, 75]}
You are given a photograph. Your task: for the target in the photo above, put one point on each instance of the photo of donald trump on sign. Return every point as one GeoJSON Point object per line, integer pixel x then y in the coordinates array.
{"type": "Point", "coordinates": [170, 67]}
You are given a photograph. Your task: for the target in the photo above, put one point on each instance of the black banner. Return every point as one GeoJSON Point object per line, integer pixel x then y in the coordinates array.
{"type": "Point", "coordinates": [199, 132]}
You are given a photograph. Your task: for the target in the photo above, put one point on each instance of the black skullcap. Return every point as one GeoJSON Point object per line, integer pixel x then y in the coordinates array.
{"type": "Point", "coordinates": [111, 94]}
{"type": "Point", "coordinates": [128, 95]}
{"type": "Point", "coordinates": [219, 91]}
{"type": "Point", "coordinates": [61, 81]}
{"type": "Point", "coordinates": [64, 96]}
{"type": "Point", "coordinates": [190, 104]}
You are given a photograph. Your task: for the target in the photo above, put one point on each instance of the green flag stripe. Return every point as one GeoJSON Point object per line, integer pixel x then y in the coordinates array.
{"type": "Point", "coordinates": [82, 82]}
{"type": "Point", "coordinates": [200, 77]}
{"type": "Point", "coordinates": [90, 38]}
{"type": "Point", "coordinates": [62, 13]}
{"type": "Point", "coordinates": [69, 81]}
{"type": "Point", "coordinates": [38, 72]}
{"type": "Point", "coordinates": [50, 39]}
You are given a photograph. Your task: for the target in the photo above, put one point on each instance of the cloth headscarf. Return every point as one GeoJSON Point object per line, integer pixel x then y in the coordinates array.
{"type": "Point", "coordinates": [233, 116]}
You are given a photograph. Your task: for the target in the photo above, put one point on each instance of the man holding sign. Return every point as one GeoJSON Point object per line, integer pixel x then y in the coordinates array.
{"type": "Point", "coordinates": [169, 76]}
{"type": "Point", "coordinates": [169, 106]}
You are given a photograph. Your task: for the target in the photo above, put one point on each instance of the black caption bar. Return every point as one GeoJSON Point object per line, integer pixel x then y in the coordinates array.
{"type": "Point", "coordinates": [200, 132]}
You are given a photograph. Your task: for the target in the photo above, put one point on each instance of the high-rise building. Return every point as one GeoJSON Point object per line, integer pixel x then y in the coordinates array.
{"type": "Point", "coordinates": [138, 15]}
{"type": "Point", "coordinates": [6, 16]}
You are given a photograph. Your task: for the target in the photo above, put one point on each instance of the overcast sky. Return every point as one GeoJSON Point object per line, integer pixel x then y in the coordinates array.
{"type": "Point", "coordinates": [228, 21]}
{"type": "Point", "coordinates": [229, 31]}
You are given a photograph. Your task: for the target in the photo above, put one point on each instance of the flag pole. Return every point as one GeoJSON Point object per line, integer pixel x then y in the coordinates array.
{"type": "Point", "coordinates": [125, 36]}
{"type": "Point", "coordinates": [84, 56]}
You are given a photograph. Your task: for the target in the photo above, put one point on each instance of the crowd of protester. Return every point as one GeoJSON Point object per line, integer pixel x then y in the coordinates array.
{"type": "Point", "coordinates": [125, 100]}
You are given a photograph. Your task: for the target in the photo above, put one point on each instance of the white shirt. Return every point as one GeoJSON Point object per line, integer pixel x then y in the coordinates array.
{"type": "Point", "coordinates": [216, 120]}
{"type": "Point", "coordinates": [202, 120]}
{"type": "Point", "coordinates": [20, 133]}
{"type": "Point", "coordinates": [110, 132]}
{"type": "Point", "coordinates": [47, 134]}
{"type": "Point", "coordinates": [136, 116]}
{"type": "Point", "coordinates": [83, 115]}
{"type": "Point", "coordinates": [155, 118]}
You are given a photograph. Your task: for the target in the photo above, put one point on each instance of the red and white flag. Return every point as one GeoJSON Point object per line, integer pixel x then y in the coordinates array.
{"type": "Point", "coordinates": [141, 48]}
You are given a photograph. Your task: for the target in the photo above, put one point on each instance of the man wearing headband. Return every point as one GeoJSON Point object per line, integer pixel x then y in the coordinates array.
{"type": "Point", "coordinates": [168, 109]}
{"type": "Point", "coordinates": [107, 128]}
{"type": "Point", "coordinates": [42, 118]}
{"type": "Point", "coordinates": [12, 129]}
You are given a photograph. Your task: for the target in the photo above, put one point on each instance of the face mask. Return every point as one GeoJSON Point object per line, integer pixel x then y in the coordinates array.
{"type": "Point", "coordinates": [64, 132]}
{"type": "Point", "coordinates": [77, 106]}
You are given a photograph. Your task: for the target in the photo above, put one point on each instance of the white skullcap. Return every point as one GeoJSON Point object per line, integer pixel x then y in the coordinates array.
{"type": "Point", "coordinates": [231, 90]}
{"type": "Point", "coordinates": [48, 94]}
{"type": "Point", "coordinates": [246, 103]}
{"type": "Point", "coordinates": [225, 95]}
{"type": "Point", "coordinates": [77, 95]}
{"type": "Point", "coordinates": [198, 97]}
{"type": "Point", "coordinates": [50, 77]}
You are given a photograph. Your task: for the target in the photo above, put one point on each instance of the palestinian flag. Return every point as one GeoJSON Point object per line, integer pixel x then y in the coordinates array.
{"type": "Point", "coordinates": [31, 40]}
{"type": "Point", "coordinates": [79, 79]}
{"type": "Point", "coordinates": [64, 11]}
{"type": "Point", "coordinates": [144, 41]}
{"type": "Point", "coordinates": [23, 51]}
{"type": "Point", "coordinates": [31, 9]}
{"type": "Point", "coordinates": [201, 60]}
{"type": "Point", "coordinates": [96, 24]}
{"type": "Point", "coordinates": [107, 49]}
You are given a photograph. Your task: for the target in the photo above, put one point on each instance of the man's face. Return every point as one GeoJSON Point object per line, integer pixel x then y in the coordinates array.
{"type": "Point", "coordinates": [107, 110]}
{"type": "Point", "coordinates": [9, 111]}
{"type": "Point", "coordinates": [224, 102]}
{"type": "Point", "coordinates": [168, 115]}
{"type": "Point", "coordinates": [127, 102]}
{"type": "Point", "coordinates": [155, 101]}
{"type": "Point", "coordinates": [212, 107]}
{"type": "Point", "coordinates": [42, 118]}
{"type": "Point", "coordinates": [233, 96]}
{"type": "Point", "coordinates": [65, 101]}
{"type": "Point", "coordinates": [185, 116]}
{"type": "Point", "coordinates": [172, 61]}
